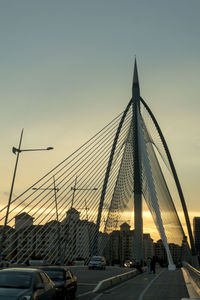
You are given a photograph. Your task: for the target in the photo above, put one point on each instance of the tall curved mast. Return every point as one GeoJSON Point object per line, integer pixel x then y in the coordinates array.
{"type": "Point", "coordinates": [176, 179]}
{"type": "Point", "coordinates": [137, 188]}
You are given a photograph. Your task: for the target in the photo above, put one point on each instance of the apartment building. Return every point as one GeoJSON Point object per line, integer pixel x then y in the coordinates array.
{"type": "Point", "coordinates": [196, 231]}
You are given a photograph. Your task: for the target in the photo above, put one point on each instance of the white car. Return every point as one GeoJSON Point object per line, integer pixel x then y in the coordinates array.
{"type": "Point", "coordinates": [97, 262]}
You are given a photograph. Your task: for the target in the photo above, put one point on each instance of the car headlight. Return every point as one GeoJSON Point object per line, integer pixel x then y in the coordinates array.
{"type": "Point", "coordinates": [25, 298]}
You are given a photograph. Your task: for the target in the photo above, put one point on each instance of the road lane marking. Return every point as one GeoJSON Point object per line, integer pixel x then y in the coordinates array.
{"type": "Point", "coordinates": [120, 285]}
{"type": "Point", "coordinates": [97, 297]}
{"type": "Point", "coordinates": [84, 294]}
{"type": "Point", "coordinates": [148, 286]}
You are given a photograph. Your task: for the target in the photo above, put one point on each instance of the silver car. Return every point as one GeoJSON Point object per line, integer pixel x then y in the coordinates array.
{"type": "Point", "coordinates": [25, 284]}
{"type": "Point", "coordinates": [97, 262]}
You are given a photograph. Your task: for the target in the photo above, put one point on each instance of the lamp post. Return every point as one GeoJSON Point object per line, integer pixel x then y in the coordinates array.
{"type": "Point", "coordinates": [55, 189]}
{"type": "Point", "coordinates": [18, 150]}
{"type": "Point", "coordinates": [15, 151]}
{"type": "Point", "coordinates": [74, 189]}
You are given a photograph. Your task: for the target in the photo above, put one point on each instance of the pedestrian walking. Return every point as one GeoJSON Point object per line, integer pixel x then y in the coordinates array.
{"type": "Point", "coordinates": [149, 265]}
{"type": "Point", "coordinates": [153, 265]}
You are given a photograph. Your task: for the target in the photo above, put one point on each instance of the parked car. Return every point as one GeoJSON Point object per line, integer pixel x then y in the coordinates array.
{"type": "Point", "coordinates": [65, 281]}
{"type": "Point", "coordinates": [38, 262]}
{"type": "Point", "coordinates": [97, 262]}
{"type": "Point", "coordinates": [25, 284]}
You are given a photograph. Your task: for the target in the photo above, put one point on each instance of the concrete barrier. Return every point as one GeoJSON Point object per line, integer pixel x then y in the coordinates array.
{"type": "Point", "coordinates": [112, 281]}
{"type": "Point", "coordinates": [192, 280]}
{"type": "Point", "coordinates": [193, 291]}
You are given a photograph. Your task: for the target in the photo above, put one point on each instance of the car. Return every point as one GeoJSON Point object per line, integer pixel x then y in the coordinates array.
{"type": "Point", "coordinates": [38, 262]}
{"type": "Point", "coordinates": [25, 284]}
{"type": "Point", "coordinates": [97, 262]}
{"type": "Point", "coordinates": [127, 263]}
{"type": "Point", "coordinates": [130, 263]}
{"type": "Point", "coordinates": [65, 281]}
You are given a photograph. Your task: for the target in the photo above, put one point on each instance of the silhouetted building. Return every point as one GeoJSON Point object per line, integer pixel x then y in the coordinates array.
{"type": "Point", "coordinates": [161, 256]}
{"type": "Point", "coordinates": [114, 248]}
{"type": "Point", "coordinates": [9, 244]}
{"type": "Point", "coordinates": [121, 245]}
{"type": "Point", "coordinates": [160, 253]}
{"type": "Point", "coordinates": [126, 242]}
{"type": "Point", "coordinates": [196, 230]}
{"type": "Point", "coordinates": [148, 249]}
{"type": "Point", "coordinates": [23, 220]}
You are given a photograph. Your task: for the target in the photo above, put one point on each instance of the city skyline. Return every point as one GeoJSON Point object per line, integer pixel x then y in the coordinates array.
{"type": "Point", "coordinates": [67, 71]}
{"type": "Point", "coordinates": [40, 242]}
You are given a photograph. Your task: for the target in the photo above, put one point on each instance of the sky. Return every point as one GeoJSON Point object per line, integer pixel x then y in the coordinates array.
{"type": "Point", "coordinates": [66, 71]}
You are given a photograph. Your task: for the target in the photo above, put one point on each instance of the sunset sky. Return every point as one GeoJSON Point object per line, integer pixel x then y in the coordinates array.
{"type": "Point", "coordinates": [66, 71]}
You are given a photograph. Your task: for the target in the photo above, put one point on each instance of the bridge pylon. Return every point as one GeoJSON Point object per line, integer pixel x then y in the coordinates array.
{"type": "Point", "coordinates": [147, 179]}
{"type": "Point", "coordinates": [137, 169]}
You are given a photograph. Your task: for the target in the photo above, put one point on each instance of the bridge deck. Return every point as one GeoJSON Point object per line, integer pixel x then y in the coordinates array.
{"type": "Point", "coordinates": [164, 285]}
{"type": "Point", "coordinates": [168, 285]}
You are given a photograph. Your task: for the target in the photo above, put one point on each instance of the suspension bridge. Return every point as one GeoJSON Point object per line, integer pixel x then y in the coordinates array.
{"type": "Point", "coordinates": [81, 207]}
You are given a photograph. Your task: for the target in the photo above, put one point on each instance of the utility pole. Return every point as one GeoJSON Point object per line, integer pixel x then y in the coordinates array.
{"type": "Point", "coordinates": [9, 201]}
{"type": "Point", "coordinates": [16, 151]}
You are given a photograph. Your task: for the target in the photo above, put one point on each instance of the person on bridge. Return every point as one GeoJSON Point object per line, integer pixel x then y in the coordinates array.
{"type": "Point", "coordinates": [149, 265]}
{"type": "Point", "coordinates": [153, 265]}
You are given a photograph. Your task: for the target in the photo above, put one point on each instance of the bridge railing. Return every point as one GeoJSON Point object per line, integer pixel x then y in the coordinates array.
{"type": "Point", "coordinates": [194, 276]}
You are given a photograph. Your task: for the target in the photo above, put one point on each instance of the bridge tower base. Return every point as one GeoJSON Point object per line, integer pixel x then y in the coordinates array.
{"type": "Point", "coordinates": [171, 267]}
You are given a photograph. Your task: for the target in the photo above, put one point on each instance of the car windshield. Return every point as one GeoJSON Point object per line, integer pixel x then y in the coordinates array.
{"type": "Point", "coordinates": [56, 275]}
{"type": "Point", "coordinates": [18, 280]}
{"type": "Point", "coordinates": [96, 259]}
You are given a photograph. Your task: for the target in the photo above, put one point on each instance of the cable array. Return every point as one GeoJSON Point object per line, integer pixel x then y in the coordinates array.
{"type": "Point", "coordinates": [35, 228]}
{"type": "Point", "coordinates": [56, 217]}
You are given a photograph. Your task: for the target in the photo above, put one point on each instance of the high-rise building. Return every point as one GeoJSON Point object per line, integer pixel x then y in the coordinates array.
{"type": "Point", "coordinates": [148, 249]}
{"type": "Point", "coordinates": [126, 242]}
{"type": "Point", "coordinates": [196, 230]}
{"type": "Point", "coordinates": [9, 245]}
{"type": "Point", "coordinates": [122, 245]}
{"type": "Point", "coordinates": [23, 220]}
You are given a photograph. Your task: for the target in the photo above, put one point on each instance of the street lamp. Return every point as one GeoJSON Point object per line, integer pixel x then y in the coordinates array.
{"type": "Point", "coordinates": [14, 150]}
{"type": "Point", "coordinates": [82, 189]}
{"type": "Point", "coordinates": [74, 189]}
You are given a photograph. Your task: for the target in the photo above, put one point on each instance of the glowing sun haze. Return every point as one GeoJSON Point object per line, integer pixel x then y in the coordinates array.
{"type": "Point", "coordinates": [66, 71]}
